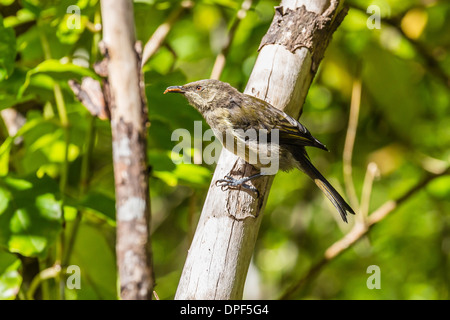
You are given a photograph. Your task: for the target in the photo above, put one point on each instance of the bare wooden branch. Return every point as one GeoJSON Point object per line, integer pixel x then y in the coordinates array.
{"type": "Point", "coordinates": [90, 94]}
{"type": "Point", "coordinates": [160, 34]}
{"type": "Point", "coordinates": [13, 120]}
{"type": "Point", "coordinates": [219, 64]}
{"type": "Point", "coordinates": [220, 253]}
{"type": "Point", "coordinates": [128, 124]}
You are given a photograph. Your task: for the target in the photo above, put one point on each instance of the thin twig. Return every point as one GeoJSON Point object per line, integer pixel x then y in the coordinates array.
{"type": "Point", "coordinates": [64, 120]}
{"type": "Point", "coordinates": [52, 272]}
{"type": "Point", "coordinates": [350, 143]}
{"type": "Point", "coordinates": [87, 155]}
{"type": "Point", "coordinates": [371, 173]}
{"type": "Point", "coordinates": [84, 174]}
{"type": "Point", "coordinates": [358, 231]}
{"type": "Point", "coordinates": [160, 34]}
{"type": "Point", "coordinates": [219, 64]}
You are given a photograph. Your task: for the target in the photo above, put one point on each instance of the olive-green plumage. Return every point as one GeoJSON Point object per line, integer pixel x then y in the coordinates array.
{"type": "Point", "coordinates": [230, 112]}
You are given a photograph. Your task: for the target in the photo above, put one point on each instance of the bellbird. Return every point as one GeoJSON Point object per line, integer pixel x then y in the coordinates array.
{"type": "Point", "coordinates": [231, 113]}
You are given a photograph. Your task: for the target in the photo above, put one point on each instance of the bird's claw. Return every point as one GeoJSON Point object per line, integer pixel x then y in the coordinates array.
{"type": "Point", "coordinates": [225, 183]}
{"type": "Point", "coordinates": [229, 181]}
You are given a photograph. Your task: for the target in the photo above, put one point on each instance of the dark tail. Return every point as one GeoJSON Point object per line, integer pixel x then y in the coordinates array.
{"type": "Point", "coordinates": [331, 193]}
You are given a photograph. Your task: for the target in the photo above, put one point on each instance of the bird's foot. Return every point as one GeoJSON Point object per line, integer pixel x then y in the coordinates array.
{"type": "Point", "coordinates": [230, 182]}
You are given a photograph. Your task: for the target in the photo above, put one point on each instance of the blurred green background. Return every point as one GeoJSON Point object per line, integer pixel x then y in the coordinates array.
{"type": "Point", "coordinates": [53, 167]}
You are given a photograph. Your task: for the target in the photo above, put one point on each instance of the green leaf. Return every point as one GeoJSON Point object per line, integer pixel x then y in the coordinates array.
{"type": "Point", "coordinates": [4, 157]}
{"type": "Point", "coordinates": [57, 70]}
{"type": "Point", "coordinates": [10, 278]}
{"type": "Point", "coordinates": [7, 51]}
{"type": "Point", "coordinates": [6, 2]}
{"type": "Point", "coordinates": [193, 174]}
{"type": "Point", "coordinates": [101, 204]}
{"type": "Point", "coordinates": [8, 101]}
{"type": "Point", "coordinates": [32, 6]}
{"type": "Point", "coordinates": [22, 16]}
{"type": "Point", "coordinates": [5, 147]}
{"type": "Point", "coordinates": [30, 214]}
{"type": "Point", "coordinates": [160, 160]}
{"type": "Point", "coordinates": [185, 173]}
{"type": "Point", "coordinates": [173, 104]}
{"type": "Point", "coordinates": [440, 188]}
{"type": "Point", "coordinates": [95, 257]}
{"type": "Point", "coordinates": [67, 35]}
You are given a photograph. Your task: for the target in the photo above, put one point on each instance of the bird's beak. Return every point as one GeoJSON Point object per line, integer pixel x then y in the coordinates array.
{"type": "Point", "coordinates": [178, 89]}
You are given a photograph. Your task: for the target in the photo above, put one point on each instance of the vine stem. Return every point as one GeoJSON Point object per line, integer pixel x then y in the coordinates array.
{"type": "Point", "coordinates": [87, 155]}
{"type": "Point", "coordinates": [62, 113]}
{"type": "Point", "coordinates": [49, 273]}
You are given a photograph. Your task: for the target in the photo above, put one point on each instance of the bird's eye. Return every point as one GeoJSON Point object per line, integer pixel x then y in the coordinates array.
{"type": "Point", "coordinates": [198, 88]}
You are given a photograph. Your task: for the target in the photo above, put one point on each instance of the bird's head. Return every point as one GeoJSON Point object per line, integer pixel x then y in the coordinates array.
{"type": "Point", "coordinates": [205, 95]}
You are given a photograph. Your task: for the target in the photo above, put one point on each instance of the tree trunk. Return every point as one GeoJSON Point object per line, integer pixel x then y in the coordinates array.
{"type": "Point", "coordinates": [290, 52]}
{"type": "Point", "coordinates": [128, 124]}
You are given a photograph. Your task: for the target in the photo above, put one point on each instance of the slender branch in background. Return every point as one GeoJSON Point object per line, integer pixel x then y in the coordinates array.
{"type": "Point", "coordinates": [371, 173]}
{"type": "Point", "coordinates": [46, 292]}
{"type": "Point", "coordinates": [89, 142]}
{"type": "Point", "coordinates": [350, 143]}
{"type": "Point", "coordinates": [49, 273]}
{"type": "Point", "coordinates": [174, 55]}
{"type": "Point", "coordinates": [430, 61]}
{"type": "Point", "coordinates": [358, 231]}
{"type": "Point", "coordinates": [13, 120]}
{"type": "Point", "coordinates": [219, 64]}
{"type": "Point", "coordinates": [84, 180]}
{"type": "Point", "coordinates": [89, 145]}
{"type": "Point", "coordinates": [96, 37]}
{"type": "Point", "coordinates": [62, 113]}
{"type": "Point", "coordinates": [129, 120]}
{"type": "Point", "coordinates": [160, 34]}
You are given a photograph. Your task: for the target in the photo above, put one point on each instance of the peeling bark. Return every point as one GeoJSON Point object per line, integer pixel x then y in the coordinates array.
{"type": "Point", "coordinates": [90, 94]}
{"type": "Point", "coordinates": [299, 28]}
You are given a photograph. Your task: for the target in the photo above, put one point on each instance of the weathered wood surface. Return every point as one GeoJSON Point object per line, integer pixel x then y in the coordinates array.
{"type": "Point", "coordinates": [220, 253]}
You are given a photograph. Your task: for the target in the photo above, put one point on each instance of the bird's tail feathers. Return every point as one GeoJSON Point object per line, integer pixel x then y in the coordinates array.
{"type": "Point", "coordinates": [336, 199]}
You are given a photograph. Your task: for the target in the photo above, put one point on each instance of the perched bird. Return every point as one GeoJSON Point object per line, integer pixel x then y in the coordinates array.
{"type": "Point", "coordinates": [231, 113]}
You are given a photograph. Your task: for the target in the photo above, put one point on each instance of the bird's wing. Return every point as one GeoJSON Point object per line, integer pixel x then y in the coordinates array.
{"type": "Point", "coordinates": [290, 131]}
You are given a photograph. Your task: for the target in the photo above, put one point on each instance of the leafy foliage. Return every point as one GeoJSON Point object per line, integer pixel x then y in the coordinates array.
{"type": "Point", "coordinates": [404, 127]}
{"type": "Point", "coordinates": [7, 51]}
{"type": "Point", "coordinates": [30, 215]}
